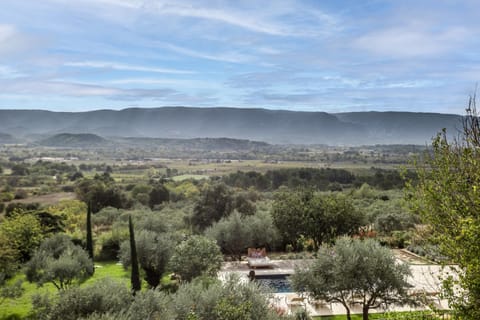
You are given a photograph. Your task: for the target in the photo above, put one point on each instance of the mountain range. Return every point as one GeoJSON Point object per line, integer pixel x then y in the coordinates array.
{"type": "Point", "coordinates": [272, 126]}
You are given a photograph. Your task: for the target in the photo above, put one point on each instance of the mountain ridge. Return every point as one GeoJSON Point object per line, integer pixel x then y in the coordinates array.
{"type": "Point", "coordinates": [272, 126]}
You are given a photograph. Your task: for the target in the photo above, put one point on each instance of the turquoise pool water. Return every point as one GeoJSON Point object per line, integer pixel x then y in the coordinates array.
{"type": "Point", "coordinates": [277, 283]}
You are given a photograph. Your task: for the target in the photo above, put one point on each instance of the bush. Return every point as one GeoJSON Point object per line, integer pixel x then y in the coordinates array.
{"type": "Point", "coordinates": [209, 299]}
{"type": "Point", "coordinates": [102, 297]}
{"type": "Point", "coordinates": [196, 256]}
{"type": "Point", "coordinates": [20, 194]}
{"type": "Point", "coordinates": [110, 245]}
{"type": "Point", "coordinates": [23, 207]}
{"type": "Point", "coordinates": [60, 262]}
{"type": "Point", "coordinates": [150, 304]}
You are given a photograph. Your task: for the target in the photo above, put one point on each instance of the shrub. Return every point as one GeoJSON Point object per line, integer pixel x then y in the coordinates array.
{"type": "Point", "coordinates": [110, 245]}
{"type": "Point", "coordinates": [102, 297]}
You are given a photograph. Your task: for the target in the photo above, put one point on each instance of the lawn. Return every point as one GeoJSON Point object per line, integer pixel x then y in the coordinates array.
{"type": "Point", "coordinates": [21, 307]}
{"type": "Point", "coordinates": [414, 315]}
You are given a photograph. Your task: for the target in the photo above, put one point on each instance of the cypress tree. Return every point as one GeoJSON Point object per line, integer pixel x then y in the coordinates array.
{"type": "Point", "coordinates": [135, 276]}
{"type": "Point", "coordinates": [89, 231]}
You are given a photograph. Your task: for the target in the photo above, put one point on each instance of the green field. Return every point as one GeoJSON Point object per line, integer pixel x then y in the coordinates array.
{"type": "Point", "coordinates": [190, 176]}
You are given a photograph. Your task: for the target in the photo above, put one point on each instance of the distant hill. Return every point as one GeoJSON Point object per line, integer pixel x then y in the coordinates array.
{"type": "Point", "coordinates": [69, 140]}
{"type": "Point", "coordinates": [272, 126]}
{"type": "Point", "coordinates": [201, 144]}
{"type": "Point", "coordinates": [6, 138]}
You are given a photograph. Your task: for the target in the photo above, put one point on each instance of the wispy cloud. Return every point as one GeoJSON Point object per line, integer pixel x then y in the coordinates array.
{"type": "Point", "coordinates": [14, 42]}
{"type": "Point", "coordinates": [233, 18]}
{"type": "Point", "coordinates": [232, 57]}
{"type": "Point", "coordinates": [294, 54]}
{"type": "Point", "coordinates": [9, 72]}
{"type": "Point", "coordinates": [125, 67]}
{"type": "Point", "coordinates": [411, 41]}
{"type": "Point", "coordinates": [183, 83]}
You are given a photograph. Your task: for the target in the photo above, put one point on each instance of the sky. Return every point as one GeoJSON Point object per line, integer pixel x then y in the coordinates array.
{"type": "Point", "coordinates": [312, 55]}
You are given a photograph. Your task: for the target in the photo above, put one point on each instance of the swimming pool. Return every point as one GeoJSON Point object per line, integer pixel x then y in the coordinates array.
{"type": "Point", "coordinates": [276, 283]}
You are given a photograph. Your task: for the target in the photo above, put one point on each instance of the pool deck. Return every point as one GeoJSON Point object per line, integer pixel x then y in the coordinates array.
{"type": "Point", "coordinates": [424, 280]}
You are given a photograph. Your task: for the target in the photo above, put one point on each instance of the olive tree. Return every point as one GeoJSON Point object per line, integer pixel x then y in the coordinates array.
{"type": "Point", "coordinates": [355, 272]}
{"type": "Point", "coordinates": [198, 255]}
{"type": "Point", "coordinates": [214, 203]}
{"type": "Point", "coordinates": [216, 300]}
{"type": "Point", "coordinates": [101, 297]}
{"type": "Point", "coordinates": [153, 252]}
{"type": "Point", "coordinates": [321, 218]}
{"type": "Point", "coordinates": [235, 233]}
{"type": "Point", "coordinates": [59, 262]}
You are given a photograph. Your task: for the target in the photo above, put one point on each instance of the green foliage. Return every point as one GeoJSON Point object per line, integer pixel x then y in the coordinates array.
{"type": "Point", "coordinates": [235, 233]}
{"type": "Point", "coordinates": [100, 192]}
{"type": "Point", "coordinates": [110, 243]}
{"type": "Point", "coordinates": [135, 273]}
{"type": "Point", "coordinates": [153, 252]}
{"type": "Point", "coordinates": [243, 204]}
{"type": "Point", "coordinates": [158, 195]}
{"type": "Point", "coordinates": [89, 238]}
{"type": "Point", "coordinates": [389, 222]}
{"type": "Point", "coordinates": [140, 193]}
{"type": "Point", "coordinates": [9, 255]}
{"type": "Point", "coordinates": [319, 217]}
{"type": "Point", "coordinates": [355, 272]}
{"type": "Point", "coordinates": [51, 223]}
{"type": "Point", "coordinates": [447, 197]}
{"type": "Point", "coordinates": [17, 207]}
{"type": "Point", "coordinates": [10, 291]}
{"type": "Point", "coordinates": [60, 262]}
{"type": "Point", "coordinates": [229, 300]}
{"type": "Point", "coordinates": [232, 234]}
{"type": "Point", "coordinates": [214, 203]}
{"type": "Point", "coordinates": [24, 233]}
{"type": "Point", "coordinates": [102, 297]}
{"type": "Point", "coordinates": [150, 304]}
{"type": "Point", "coordinates": [292, 177]}
{"type": "Point", "coordinates": [196, 256]}
{"type": "Point", "coordinates": [20, 169]}
{"type": "Point", "coordinates": [73, 213]}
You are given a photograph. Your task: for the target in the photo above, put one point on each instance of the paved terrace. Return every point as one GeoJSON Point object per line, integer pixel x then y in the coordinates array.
{"type": "Point", "coordinates": [424, 279]}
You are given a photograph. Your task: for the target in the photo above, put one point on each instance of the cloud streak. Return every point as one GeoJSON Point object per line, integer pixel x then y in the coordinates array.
{"type": "Point", "coordinates": [124, 67]}
{"type": "Point", "coordinates": [322, 55]}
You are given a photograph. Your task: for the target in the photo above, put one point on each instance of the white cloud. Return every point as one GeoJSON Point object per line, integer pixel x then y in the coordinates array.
{"type": "Point", "coordinates": [411, 41]}
{"type": "Point", "coordinates": [9, 72]}
{"type": "Point", "coordinates": [274, 18]}
{"type": "Point", "coordinates": [125, 67]}
{"type": "Point", "coordinates": [194, 84]}
{"type": "Point", "coordinates": [238, 19]}
{"type": "Point", "coordinates": [13, 42]}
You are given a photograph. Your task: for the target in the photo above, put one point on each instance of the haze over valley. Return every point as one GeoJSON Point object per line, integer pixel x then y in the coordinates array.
{"type": "Point", "coordinates": [271, 126]}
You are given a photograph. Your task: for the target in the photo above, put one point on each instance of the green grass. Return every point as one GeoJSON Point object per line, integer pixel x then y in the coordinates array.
{"type": "Point", "coordinates": [22, 306]}
{"type": "Point", "coordinates": [372, 316]}
{"type": "Point", "coordinates": [413, 315]}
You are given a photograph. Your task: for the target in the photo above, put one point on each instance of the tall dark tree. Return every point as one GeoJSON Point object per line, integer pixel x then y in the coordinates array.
{"type": "Point", "coordinates": [153, 253]}
{"type": "Point", "coordinates": [89, 245]}
{"type": "Point", "coordinates": [321, 218]}
{"type": "Point", "coordinates": [158, 195]}
{"type": "Point", "coordinates": [216, 202]}
{"type": "Point", "coordinates": [135, 276]}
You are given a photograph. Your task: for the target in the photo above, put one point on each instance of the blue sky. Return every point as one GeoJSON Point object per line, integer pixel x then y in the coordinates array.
{"type": "Point", "coordinates": [333, 56]}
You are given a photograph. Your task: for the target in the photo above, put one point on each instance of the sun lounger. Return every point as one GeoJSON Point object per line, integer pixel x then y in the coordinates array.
{"type": "Point", "coordinates": [263, 262]}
